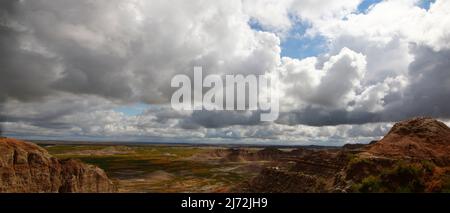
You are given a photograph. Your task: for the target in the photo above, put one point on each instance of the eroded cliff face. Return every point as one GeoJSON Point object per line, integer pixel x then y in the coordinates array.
{"type": "Point", "coordinates": [26, 167]}
{"type": "Point", "coordinates": [301, 171]}
{"type": "Point", "coordinates": [412, 157]}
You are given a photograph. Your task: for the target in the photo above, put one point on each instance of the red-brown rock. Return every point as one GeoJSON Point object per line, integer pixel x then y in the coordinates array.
{"type": "Point", "coordinates": [26, 167]}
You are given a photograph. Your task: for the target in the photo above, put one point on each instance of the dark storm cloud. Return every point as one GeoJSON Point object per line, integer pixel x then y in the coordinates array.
{"type": "Point", "coordinates": [38, 57]}
{"type": "Point", "coordinates": [119, 50]}
{"type": "Point", "coordinates": [123, 51]}
{"type": "Point", "coordinates": [8, 6]}
{"type": "Point", "coordinates": [25, 75]}
{"type": "Point", "coordinates": [47, 118]}
{"type": "Point", "coordinates": [217, 119]}
{"type": "Point", "coordinates": [2, 119]}
{"type": "Point", "coordinates": [323, 117]}
{"type": "Point", "coordinates": [49, 114]}
{"type": "Point", "coordinates": [91, 73]}
{"type": "Point", "coordinates": [429, 89]}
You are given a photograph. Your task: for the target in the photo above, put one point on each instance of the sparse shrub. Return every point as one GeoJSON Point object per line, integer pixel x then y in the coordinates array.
{"type": "Point", "coordinates": [359, 168]}
{"type": "Point", "coordinates": [428, 165]}
{"type": "Point", "coordinates": [402, 178]}
{"type": "Point", "coordinates": [358, 160]}
{"type": "Point", "coordinates": [368, 185]}
{"type": "Point", "coordinates": [350, 156]}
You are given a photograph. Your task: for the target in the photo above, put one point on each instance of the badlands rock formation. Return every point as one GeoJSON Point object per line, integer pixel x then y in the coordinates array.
{"type": "Point", "coordinates": [26, 167]}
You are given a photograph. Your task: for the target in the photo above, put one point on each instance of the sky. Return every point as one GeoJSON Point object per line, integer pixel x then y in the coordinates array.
{"type": "Point", "coordinates": [101, 70]}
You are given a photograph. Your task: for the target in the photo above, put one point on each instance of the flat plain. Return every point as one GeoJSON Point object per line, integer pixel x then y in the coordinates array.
{"type": "Point", "coordinates": [161, 168]}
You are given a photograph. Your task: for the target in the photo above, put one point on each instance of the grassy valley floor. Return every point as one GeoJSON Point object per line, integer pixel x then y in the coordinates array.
{"type": "Point", "coordinates": [163, 168]}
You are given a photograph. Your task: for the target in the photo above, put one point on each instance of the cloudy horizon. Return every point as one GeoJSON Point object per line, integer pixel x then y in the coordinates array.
{"type": "Point", "coordinates": [101, 70]}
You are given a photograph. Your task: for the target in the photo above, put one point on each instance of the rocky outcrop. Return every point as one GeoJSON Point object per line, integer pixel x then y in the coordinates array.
{"type": "Point", "coordinates": [298, 171]}
{"type": "Point", "coordinates": [26, 167]}
{"type": "Point", "coordinates": [413, 157]}
{"type": "Point", "coordinates": [418, 138]}
{"type": "Point", "coordinates": [275, 180]}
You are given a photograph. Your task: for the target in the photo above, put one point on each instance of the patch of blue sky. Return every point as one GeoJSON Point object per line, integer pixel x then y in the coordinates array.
{"type": "Point", "coordinates": [133, 109]}
{"type": "Point", "coordinates": [254, 24]}
{"type": "Point", "coordinates": [366, 4]}
{"type": "Point", "coordinates": [296, 44]}
{"type": "Point", "coordinates": [301, 46]}
{"type": "Point", "coordinates": [425, 4]}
